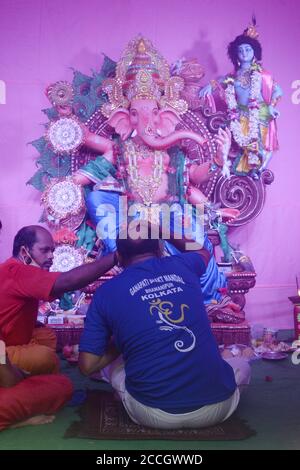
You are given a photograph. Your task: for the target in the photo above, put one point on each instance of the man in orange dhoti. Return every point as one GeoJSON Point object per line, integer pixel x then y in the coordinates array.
{"type": "Point", "coordinates": [31, 400]}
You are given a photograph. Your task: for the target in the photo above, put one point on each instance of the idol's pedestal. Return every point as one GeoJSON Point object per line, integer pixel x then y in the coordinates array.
{"type": "Point", "coordinates": [66, 335]}
{"type": "Point", "coordinates": [227, 334]}
{"type": "Point", "coordinates": [239, 283]}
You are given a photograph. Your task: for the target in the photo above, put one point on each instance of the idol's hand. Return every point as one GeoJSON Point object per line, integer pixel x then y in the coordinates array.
{"type": "Point", "coordinates": [223, 141]}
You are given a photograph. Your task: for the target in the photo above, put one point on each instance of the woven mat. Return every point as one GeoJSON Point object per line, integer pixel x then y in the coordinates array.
{"type": "Point", "coordinates": [103, 417]}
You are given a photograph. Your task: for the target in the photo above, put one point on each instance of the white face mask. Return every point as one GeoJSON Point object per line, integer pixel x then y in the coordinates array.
{"type": "Point", "coordinates": [32, 261]}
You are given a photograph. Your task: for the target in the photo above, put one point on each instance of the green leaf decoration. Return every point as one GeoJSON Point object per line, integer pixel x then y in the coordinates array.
{"type": "Point", "coordinates": [51, 113]}
{"type": "Point", "coordinates": [83, 107]}
{"type": "Point", "coordinates": [39, 144]}
{"type": "Point", "coordinates": [39, 180]}
{"type": "Point", "coordinates": [80, 82]}
{"type": "Point", "coordinates": [55, 165]}
{"type": "Point", "coordinates": [108, 68]}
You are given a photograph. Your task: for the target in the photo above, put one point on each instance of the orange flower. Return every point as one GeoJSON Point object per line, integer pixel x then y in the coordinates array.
{"type": "Point", "coordinates": [64, 235]}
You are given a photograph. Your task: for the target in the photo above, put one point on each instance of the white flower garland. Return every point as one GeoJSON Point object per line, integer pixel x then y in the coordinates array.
{"type": "Point", "coordinates": [235, 125]}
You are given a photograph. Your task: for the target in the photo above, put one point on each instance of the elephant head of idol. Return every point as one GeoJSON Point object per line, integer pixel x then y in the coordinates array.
{"type": "Point", "coordinates": [144, 100]}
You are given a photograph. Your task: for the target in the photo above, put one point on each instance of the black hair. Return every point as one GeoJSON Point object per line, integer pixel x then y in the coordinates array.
{"type": "Point", "coordinates": [232, 49]}
{"type": "Point", "coordinates": [26, 236]}
{"type": "Point", "coordinates": [128, 247]}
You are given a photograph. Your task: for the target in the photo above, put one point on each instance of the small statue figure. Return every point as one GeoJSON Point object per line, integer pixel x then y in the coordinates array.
{"type": "Point", "coordinates": [251, 96]}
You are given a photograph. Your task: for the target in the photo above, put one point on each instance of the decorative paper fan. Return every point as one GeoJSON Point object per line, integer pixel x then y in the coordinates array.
{"type": "Point", "coordinates": [65, 134]}
{"type": "Point", "coordinates": [63, 198]}
{"type": "Point", "coordinates": [67, 257]}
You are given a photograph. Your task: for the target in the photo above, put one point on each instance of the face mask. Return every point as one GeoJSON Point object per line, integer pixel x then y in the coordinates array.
{"type": "Point", "coordinates": [28, 259]}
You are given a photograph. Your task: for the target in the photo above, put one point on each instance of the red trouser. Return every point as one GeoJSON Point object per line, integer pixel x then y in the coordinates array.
{"type": "Point", "coordinates": [42, 394]}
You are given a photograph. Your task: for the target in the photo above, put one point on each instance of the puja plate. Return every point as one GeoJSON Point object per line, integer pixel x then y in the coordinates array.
{"type": "Point", "coordinates": [273, 355]}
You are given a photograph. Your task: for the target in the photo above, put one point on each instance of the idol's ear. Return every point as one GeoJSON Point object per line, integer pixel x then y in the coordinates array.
{"type": "Point", "coordinates": [120, 121]}
{"type": "Point", "coordinates": [168, 121]}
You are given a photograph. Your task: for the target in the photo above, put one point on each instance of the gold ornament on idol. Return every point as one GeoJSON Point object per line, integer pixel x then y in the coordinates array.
{"type": "Point", "coordinates": [142, 73]}
{"type": "Point", "coordinates": [251, 31]}
{"type": "Point", "coordinates": [145, 186]}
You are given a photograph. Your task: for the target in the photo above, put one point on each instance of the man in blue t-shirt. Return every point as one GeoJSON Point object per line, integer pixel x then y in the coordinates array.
{"type": "Point", "coordinates": [170, 374]}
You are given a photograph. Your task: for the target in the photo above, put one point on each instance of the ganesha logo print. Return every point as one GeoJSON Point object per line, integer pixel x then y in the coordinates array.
{"type": "Point", "coordinates": [169, 317]}
{"type": "Point", "coordinates": [164, 309]}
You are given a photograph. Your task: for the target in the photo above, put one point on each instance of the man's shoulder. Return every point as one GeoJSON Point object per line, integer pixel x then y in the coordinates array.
{"type": "Point", "coordinates": [16, 268]}
{"type": "Point", "coordinates": [10, 261]}
{"type": "Point", "coordinates": [191, 260]}
{"type": "Point", "coordinates": [11, 264]}
{"type": "Point", "coordinates": [183, 257]}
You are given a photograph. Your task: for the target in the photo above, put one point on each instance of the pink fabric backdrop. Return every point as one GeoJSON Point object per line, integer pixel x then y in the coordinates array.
{"type": "Point", "coordinates": [42, 39]}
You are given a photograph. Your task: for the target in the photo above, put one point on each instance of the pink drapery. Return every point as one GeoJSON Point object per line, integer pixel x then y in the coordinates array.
{"type": "Point", "coordinates": [271, 143]}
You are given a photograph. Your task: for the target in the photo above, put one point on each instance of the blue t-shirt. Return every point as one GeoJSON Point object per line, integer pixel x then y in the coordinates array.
{"type": "Point", "coordinates": [155, 311]}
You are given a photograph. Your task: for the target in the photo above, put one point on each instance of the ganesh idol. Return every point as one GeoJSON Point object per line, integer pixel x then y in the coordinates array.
{"type": "Point", "coordinates": [144, 108]}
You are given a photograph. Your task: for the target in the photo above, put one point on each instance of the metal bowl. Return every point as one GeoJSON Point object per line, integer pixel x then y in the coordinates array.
{"type": "Point", "coordinates": [274, 355]}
